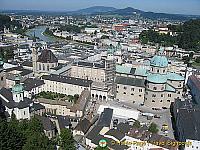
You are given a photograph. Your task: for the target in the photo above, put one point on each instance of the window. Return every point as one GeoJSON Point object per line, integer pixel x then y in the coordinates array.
{"type": "Point", "coordinates": [169, 95]}
{"type": "Point", "coordinates": [47, 67]}
{"type": "Point", "coordinates": [132, 94]}
{"type": "Point", "coordinates": [178, 92]}
{"type": "Point", "coordinates": [164, 71]}
{"type": "Point", "coordinates": [140, 90]}
{"type": "Point", "coordinates": [43, 67]}
{"type": "Point", "coordinates": [132, 89]}
{"type": "Point", "coordinates": [161, 101]}
{"type": "Point", "coordinates": [153, 95]}
{"type": "Point", "coordinates": [125, 88]}
{"type": "Point", "coordinates": [158, 71]}
{"type": "Point", "coordinates": [161, 95]}
{"type": "Point", "coordinates": [40, 67]}
{"type": "Point", "coordinates": [24, 113]}
{"type": "Point", "coordinates": [118, 87]}
{"type": "Point", "coordinates": [168, 100]}
{"type": "Point", "coordinates": [140, 95]}
{"type": "Point", "coordinates": [179, 85]}
{"type": "Point", "coordinates": [1, 78]}
{"type": "Point", "coordinates": [154, 88]}
{"type": "Point", "coordinates": [124, 92]}
{"type": "Point", "coordinates": [153, 101]}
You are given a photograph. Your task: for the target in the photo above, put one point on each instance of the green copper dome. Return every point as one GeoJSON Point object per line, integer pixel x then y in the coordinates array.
{"type": "Point", "coordinates": [18, 88]}
{"type": "Point", "coordinates": [159, 61]}
{"type": "Point", "coordinates": [157, 78]}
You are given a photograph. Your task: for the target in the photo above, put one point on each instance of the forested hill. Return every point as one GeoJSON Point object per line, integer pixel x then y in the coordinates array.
{"type": "Point", "coordinates": [5, 21]}
{"type": "Point", "coordinates": [188, 36]}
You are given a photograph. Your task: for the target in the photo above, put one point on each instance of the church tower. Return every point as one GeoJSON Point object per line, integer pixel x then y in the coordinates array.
{"type": "Point", "coordinates": [18, 90]}
{"type": "Point", "coordinates": [34, 59]}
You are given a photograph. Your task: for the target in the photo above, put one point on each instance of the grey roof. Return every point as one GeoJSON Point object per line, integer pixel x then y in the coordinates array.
{"type": "Point", "coordinates": [7, 94]}
{"type": "Point", "coordinates": [115, 133]}
{"type": "Point", "coordinates": [94, 132]}
{"type": "Point", "coordinates": [63, 122]}
{"type": "Point", "coordinates": [31, 83]}
{"type": "Point", "coordinates": [187, 120]}
{"type": "Point", "coordinates": [68, 80]}
{"type": "Point", "coordinates": [47, 123]}
{"type": "Point", "coordinates": [105, 117]}
{"type": "Point", "coordinates": [37, 106]}
{"type": "Point", "coordinates": [130, 81]}
{"type": "Point", "coordinates": [123, 127]}
{"type": "Point", "coordinates": [90, 64]}
{"type": "Point", "coordinates": [83, 125]}
{"type": "Point", "coordinates": [23, 71]}
{"type": "Point", "coordinates": [27, 63]}
{"type": "Point", "coordinates": [47, 56]}
{"type": "Point", "coordinates": [161, 138]}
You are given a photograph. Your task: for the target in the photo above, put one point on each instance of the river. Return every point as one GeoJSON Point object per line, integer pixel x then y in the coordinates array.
{"type": "Point", "coordinates": [38, 31]}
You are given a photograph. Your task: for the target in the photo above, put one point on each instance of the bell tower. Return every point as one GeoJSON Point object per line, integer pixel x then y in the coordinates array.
{"type": "Point", "coordinates": [34, 59]}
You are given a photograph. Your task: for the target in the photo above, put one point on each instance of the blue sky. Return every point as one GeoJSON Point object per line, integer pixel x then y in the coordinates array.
{"type": "Point", "coordinates": [168, 6]}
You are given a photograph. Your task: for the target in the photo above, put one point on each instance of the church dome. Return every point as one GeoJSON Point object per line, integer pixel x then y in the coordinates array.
{"type": "Point", "coordinates": [159, 61]}
{"type": "Point", "coordinates": [47, 56]}
{"type": "Point", "coordinates": [18, 88]}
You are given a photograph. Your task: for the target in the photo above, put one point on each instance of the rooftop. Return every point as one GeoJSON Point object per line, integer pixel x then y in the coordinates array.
{"type": "Point", "coordinates": [130, 81]}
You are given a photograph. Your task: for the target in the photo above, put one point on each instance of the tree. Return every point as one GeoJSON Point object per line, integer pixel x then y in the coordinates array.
{"type": "Point", "coordinates": [38, 141]}
{"type": "Point", "coordinates": [153, 128]}
{"type": "Point", "coordinates": [66, 141]}
{"type": "Point", "coordinates": [10, 137]}
{"type": "Point", "coordinates": [136, 124]}
{"type": "Point", "coordinates": [197, 60]}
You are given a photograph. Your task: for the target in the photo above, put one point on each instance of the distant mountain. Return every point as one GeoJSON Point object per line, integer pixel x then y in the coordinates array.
{"type": "Point", "coordinates": [94, 10]}
{"type": "Point", "coordinates": [125, 11]}
{"type": "Point", "coordinates": [102, 10]}
{"type": "Point", "coordinates": [131, 11]}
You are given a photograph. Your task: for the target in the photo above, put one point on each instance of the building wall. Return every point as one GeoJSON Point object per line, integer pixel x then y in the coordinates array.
{"type": "Point", "coordinates": [58, 110]}
{"type": "Point", "coordinates": [130, 93]}
{"type": "Point", "coordinates": [161, 99]}
{"type": "Point", "coordinates": [62, 88]}
{"type": "Point", "coordinates": [34, 91]}
{"type": "Point", "coordinates": [22, 113]}
{"type": "Point", "coordinates": [90, 73]}
{"type": "Point", "coordinates": [45, 67]}
{"type": "Point", "coordinates": [193, 83]}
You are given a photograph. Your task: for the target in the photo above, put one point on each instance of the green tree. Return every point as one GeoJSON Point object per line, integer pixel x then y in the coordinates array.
{"type": "Point", "coordinates": [197, 60]}
{"type": "Point", "coordinates": [38, 141]}
{"type": "Point", "coordinates": [136, 124]}
{"type": "Point", "coordinates": [153, 128]}
{"type": "Point", "coordinates": [65, 140]}
{"type": "Point", "coordinates": [10, 137]}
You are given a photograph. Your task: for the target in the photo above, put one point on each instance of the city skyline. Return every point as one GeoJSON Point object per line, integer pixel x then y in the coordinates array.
{"type": "Point", "coordinates": [175, 7]}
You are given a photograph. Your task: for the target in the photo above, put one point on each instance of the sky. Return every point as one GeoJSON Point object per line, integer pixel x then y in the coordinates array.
{"type": "Point", "coordinates": [168, 6]}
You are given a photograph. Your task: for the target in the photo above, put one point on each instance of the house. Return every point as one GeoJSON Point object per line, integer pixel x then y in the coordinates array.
{"type": "Point", "coordinates": [15, 102]}
{"type": "Point", "coordinates": [82, 127]}
{"type": "Point", "coordinates": [32, 86]}
{"type": "Point", "coordinates": [48, 126]}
